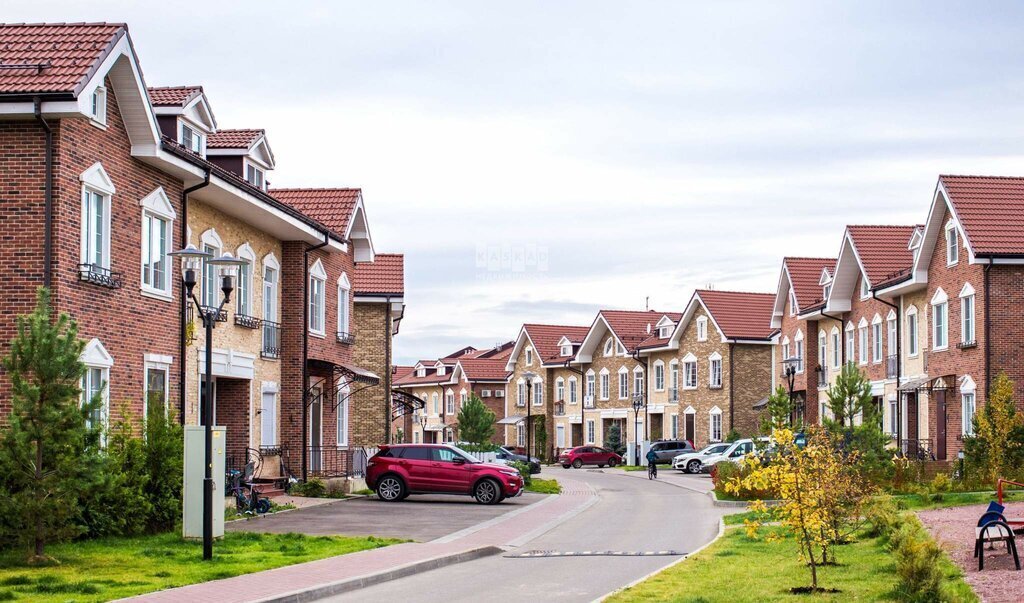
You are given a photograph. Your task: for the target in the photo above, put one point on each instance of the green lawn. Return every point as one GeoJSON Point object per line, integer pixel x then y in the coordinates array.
{"type": "Point", "coordinates": [544, 486]}
{"type": "Point", "coordinates": [919, 502]}
{"type": "Point", "coordinates": [110, 568]}
{"type": "Point", "coordinates": [736, 569]}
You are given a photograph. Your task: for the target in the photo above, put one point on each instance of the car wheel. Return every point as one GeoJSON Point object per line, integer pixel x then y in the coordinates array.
{"type": "Point", "coordinates": [487, 492]}
{"type": "Point", "coordinates": [577, 464]}
{"type": "Point", "coordinates": [600, 466]}
{"type": "Point", "coordinates": [566, 466]}
{"type": "Point", "coordinates": [693, 467]}
{"type": "Point", "coordinates": [612, 462]}
{"type": "Point", "coordinates": [391, 488]}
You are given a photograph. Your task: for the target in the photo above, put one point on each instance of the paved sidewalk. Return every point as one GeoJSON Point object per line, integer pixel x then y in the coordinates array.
{"type": "Point", "coordinates": [509, 529]}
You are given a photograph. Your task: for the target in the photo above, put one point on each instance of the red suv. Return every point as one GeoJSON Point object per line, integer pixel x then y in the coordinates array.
{"type": "Point", "coordinates": [398, 471]}
{"type": "Point", "coordinates": [588, 455]}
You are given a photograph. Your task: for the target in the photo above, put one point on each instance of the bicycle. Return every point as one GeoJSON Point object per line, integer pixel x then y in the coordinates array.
{"type": "Point", "coordinates": [652, 471]}
{"type": "Point", "coordinates": [250, 503]}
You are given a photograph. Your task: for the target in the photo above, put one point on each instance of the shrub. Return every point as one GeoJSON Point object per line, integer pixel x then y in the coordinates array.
{"type": "Point", "coordinates": [917, 565]}
{"type": "Point", "coordinates": [882, 516]}
{"type": "Point", "coordinates": [940, 483]}
{"type": "Point", "coordinates": [313, 488]}
{"type": "Point", "coordinates": [524, 470]}
{"type": "Point", "coordinates": [728, 472]}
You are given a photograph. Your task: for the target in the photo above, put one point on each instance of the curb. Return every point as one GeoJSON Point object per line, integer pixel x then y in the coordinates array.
{"type": "Point", "coordinates": [667, 482]}
{"type": "Point", "coordinates": [739, 503]}
{"type": "Point", "coordinates": [721, 530]}
{"type": "Point", "coordinates": [331, 502]}
{"type": "Point", "coordinates": [343, 586]}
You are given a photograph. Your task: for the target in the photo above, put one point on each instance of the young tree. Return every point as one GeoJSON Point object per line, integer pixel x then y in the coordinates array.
{"type": "Point", "coordinates": [540, 439]}
{"type": "Point", "coordinates": [779, 411]}
{"type": "Point", "coordinates": [850, 396]}
{"type": "Point", "coordinates": [613, 439]}
{"type": "Point", "coordinates": [476, 422]}
{"type": "Point", "coordinates": [48, 455]}
{"type": "Point", "coordinates": [996, 446]}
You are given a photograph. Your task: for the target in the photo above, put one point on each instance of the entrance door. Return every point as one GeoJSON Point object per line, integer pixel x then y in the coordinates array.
{"type": "Point", "coordinates": [268, 420]}
{"type": "Point", "coordinates": [940, 424]}
{"type": "Point", "coordinates": [560, 436]}
{"type": "Point", "coordinates": [316, 434]}
{"type": "Point", "coordinates": [657, 427]}
{"type": "Point", "coordinates": [690, 431]}
{"type": "Point", "coordinates": [577, 434]}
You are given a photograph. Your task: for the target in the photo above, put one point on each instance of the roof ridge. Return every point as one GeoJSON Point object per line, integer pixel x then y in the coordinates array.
{"type": "Point", "coordinates": [542, 324]}
{"type": "Point", "coordinates": [881, 225]}
{"type": "Point", "coordinates": [64, 24]}
{"type": "Point", "coordinates": [805, 257]}
{"type": "Point", "coordinates": [732, 291]}
{"type": "Point", "coordinates": [222, 130]}
{"type": "Point", "coordinates": [980, 176]}
{"type": "Point", "coordinates": [317, 188]}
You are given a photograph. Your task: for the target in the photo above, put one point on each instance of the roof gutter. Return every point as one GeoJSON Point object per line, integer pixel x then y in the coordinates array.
{"type": "Point", "coordinates": [183, 323]}
{"type": "Point", "coordinates": [37, 105]}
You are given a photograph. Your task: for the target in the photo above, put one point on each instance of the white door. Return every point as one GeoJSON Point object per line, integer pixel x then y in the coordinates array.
{"type": "Point", "coordinates": [560, 436]}
{"type": "Point", "coordinates": [268, 420]}
{"type": "Point", "coordinates": [316, 430]}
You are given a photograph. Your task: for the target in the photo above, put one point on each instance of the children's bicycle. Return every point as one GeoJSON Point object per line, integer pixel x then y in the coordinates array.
{"type": "Point", "coordinates": [247, 502]}
{"type": "Point", "coordinates": [652, 471]}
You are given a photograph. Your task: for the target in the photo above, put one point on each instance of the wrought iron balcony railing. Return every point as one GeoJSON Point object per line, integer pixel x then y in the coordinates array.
{"type": "Point", "coordinates": [220, 315]}
{"type": "Point", "coordinates": [246, 321]}
{"type": "Point", "coordinates": [271, 339]}
{"type": "Point", "coordinates": [346, 338]}
{"type": "Point", "coordinates": [673, 394]}
{"type": "Point", "coordinates": [98, 275]}
{"type": "Point", "coordinates": [822, 377]}
{"type": "Point", "coordinates": [892, 364]}
{"type": "Point", "coordinates": [559, 409]}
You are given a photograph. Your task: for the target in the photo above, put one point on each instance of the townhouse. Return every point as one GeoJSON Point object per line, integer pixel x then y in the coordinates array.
{"type": "Point", "coordinates": [960, 304]}
{"type": "Point", "coordinates": [104, 177]}
{"type": "Point", "coordinates": [813, 339]}
{"type": "Point", "coordinates": [662, 403]}
{"type": "Point", "coordinates": [722, 345]}
{"type": "Point", "coordinates": [544, 388]}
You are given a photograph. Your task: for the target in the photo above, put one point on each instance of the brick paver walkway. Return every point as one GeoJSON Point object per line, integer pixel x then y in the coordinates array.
{"type": "Point", "coordinates": [504, 530]}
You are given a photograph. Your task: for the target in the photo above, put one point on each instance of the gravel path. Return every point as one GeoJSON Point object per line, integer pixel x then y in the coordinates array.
{"type": "Point", "coordinates": [954, 527]}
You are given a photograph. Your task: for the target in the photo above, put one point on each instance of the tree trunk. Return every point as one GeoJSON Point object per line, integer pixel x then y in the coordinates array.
{"type": "Point", "coordinates": [40, 543]}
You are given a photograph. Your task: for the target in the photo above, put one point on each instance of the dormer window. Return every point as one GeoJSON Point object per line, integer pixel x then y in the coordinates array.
{"type": "Point", "coordinates": [826, 290]}
{"type": "Point", "coordinates": [421, 372]}
{"type": "Point", "coordinates": [566, 350]}
{"type": "Point", "coordinates": [255, 176]}
{"type": "Point", "coordinates": [440, 370]}
{"type": "Point", "coordinates": [98, 105]}
{"type": "Point", "coordinates": [664, 332]}
{"type": "Point", "coordinates": [192, 139]}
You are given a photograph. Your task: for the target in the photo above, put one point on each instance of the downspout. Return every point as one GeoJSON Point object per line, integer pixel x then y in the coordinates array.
{"type": "Point", "coordinates": [842, 337]}
{"type": "Point", "coordinates": [47, 195]}
{"type": "Point", "coordinates": [647, 395]}
{"type": "Point", "coordinates": [182, 323]}
{"type": "Point", "coordinates": [387, 372]}
{"type": "Point", "coordinates": [583, 388]}
{"type": "Point", "coordinates": [732, 405]}
{"type": "Point", "coordinates": [988, 346]}
{"type": "Point", "coordinates": [305, 351]}
{"type": "Point", "coordinates": [899, 368]}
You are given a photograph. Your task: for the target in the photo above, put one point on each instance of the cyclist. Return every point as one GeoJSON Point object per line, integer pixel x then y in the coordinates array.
{"type": "Point", "coordinates": [652, 464]}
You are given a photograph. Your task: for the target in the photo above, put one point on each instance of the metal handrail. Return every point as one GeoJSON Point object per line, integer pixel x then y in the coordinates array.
{"type": "Point", "coordinates": [999, 488]}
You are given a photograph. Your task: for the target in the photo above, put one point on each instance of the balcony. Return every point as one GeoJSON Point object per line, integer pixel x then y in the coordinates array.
{"type": "Point", "coordinates": [673, 394]}
{"type": "Point", "coordinates": [219, 315]}
{"type": "Point", "coordinates": [246, 321]}
{"type": "Point", "coordinates": [822, 377]}
{"type": "Point", "coordinates": [346, 338]}
{"type": "Point", "coordinates": [963, 345]}
{"type": "Point", "coordinates": [559, 409]}
{"type": "Point", "coordinates": [97, 275]}
{"type": "Point", "coordinates": [271, 339]}
{"type": "Point", "coordinates": [892, 364]}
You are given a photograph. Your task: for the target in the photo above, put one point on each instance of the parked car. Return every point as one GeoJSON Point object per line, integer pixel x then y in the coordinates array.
{"type": "Point", "coordinates": [588, 455]}
{"type": "Point", "coordinates": [397, 471]}
{"type": "Point", "coordinates": [734, 453]}
{"type": "Point", "coordinates": [667, 450]}
{"type": "Point", "coordinates": [507, 455]}
{"type": "Point", "coordinates": [691, 462]}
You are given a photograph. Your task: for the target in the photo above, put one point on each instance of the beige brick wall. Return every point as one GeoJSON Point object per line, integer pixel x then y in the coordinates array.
{"type": "Point", "coordinates": [226, 335]}
{"type": "Point", "coordinates": [512, 397]}
{"type": "Point", "coordinates": [614, 402]}
{"type": "Point", "coordinates": [663, 397]}
{"type": "Point", "coordinates": [751, 382]}
{"type": "Point", "coordinates": [704, 398]}
{"type": "Point", "coordinates": [369, 408]}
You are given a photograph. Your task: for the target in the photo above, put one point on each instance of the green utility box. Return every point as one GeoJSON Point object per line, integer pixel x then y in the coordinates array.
{"type": "Point", "coordinates": [195, 454]}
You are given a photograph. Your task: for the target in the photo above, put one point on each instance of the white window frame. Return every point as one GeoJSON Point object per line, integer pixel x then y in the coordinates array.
{"type": "Point", "coordinates": [435, 400]}
{"type": "Point", "coordinates": [529, 356]}
{"type": "Point", "coordinates": [573, 398]}
{"type": "Point", "coordinates": [156, 207]}
{"type": "Point", "coordinates": [449, 402]}
{"type": "Point", "coordinates": [156, 362]}
{"type": "Point", "coordinates": [851, 347]}
{"type": "Point", "coordinates": [591, 385]}
{"type": "Point", "coordinates": [344, 303]}
{"type": "Point", "coordinates": [271, 287]}
{"type": "Point", "coordinates": [98, 106]}
{"type": "Point", "coordinates": [262, 172]}
{"type": "Point", "coordinates": [538, 392]}
{"type": "Point", "coordinates": [837, 349]}
{"type": "Point", "coordinates": [674, 429]}
{"type": "Point", "coordinates": [96, 185]}
{"type": "Point", "coordinates": [702, 328]}
{"type": "Point", "coordinates": [891, 331]}
{"type": "Point", "coordinates": [521, 392]}
{"type": "Point", "coordinates": [623, 383]}
{"type": "Point", "coordinates": [862, 342]}
{"type": "Point", "coordinates": [96, 358]}
{"type": "Point", "coordinates": [952, 244]}
{"type": "Point", "coordinates": [940, 307]}
{"type": "Point", "coordinates": [659, 376]}
{"type": "Point", "coordinates": [268, 389]}
{"type": "Point", "coordinates": [876, 339]}
{"type": "Point", "coordinates": [591, 436]}
{"type": "Point", "coordinates": [786, 348]}
{"type": "Point", "coordinates": [968, 310]}
{"type": "Point", "coordinates": [463, 397]}
{"type": "Point", "coordinates": [566, 350]}
{"type": "Point", "coordinates": [792, 302]}
{"type": "Point", "coordinates": [197, 134]}
{"type": "Point", "coordinates": [689, 371]}
{"type": "Point", "coordinates": [968, 389]}
{"type": "Point", "coordinates": [609, 348]}
{"type": "Point", "coordinates": [865, 287]}
{"type": "Point", "coordinates": [244, 280]}
{"type": "Point", "coordinates": [715, 371]}
{"type": "Point", "coordinates": [211, 243]}
{"type": "Point", "coordinates": [342, 414]}
{"type": "Point", "coordinates": [913, 335]}
{"type": "Point", "coordinates": [560, 390]}
{"type": "Point", "coordinates": [317, 304]}
{"type": "Point", "coordinates": [638, 380]}
{"type": "Point", "coordinates": [799, 352]}
{"type": "Point", "coordinates": [604, 386]}
{"type": "Point", "coordinates": [715, 425]}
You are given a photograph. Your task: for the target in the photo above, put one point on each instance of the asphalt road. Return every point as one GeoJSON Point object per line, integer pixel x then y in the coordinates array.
{"type": "Point", "coordinates": [633, 515]}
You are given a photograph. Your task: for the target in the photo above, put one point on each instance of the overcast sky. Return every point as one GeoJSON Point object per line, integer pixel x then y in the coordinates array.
{"type": "Point", "coordinates": [536, 161]}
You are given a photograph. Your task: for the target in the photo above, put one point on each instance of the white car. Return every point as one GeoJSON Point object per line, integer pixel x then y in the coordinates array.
{"type": "Point", "coordinates": [734, 453]}
{"type": "Point", "coordinates": [691, 462]}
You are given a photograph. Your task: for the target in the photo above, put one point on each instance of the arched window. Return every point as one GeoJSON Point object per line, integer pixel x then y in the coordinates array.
{"type": "Point", "coordinates": [659, 376]}
{"type": "Point", "coordinates": [344, 299]}
{"type": "Point", "coordinates": [243, 280]}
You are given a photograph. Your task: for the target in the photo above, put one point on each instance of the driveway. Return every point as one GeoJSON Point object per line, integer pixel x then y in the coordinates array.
{"type": "Point", "coordinates": [420, 517]}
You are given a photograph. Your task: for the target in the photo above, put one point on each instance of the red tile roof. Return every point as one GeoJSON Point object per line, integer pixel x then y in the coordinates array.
{"type": "Point", "coordinates": [740, 315]}
{"type": "Point", "coordinates": [653, 341]}
{"type": "Point", "coordinates": [545, 339]}
{"type": "Point", "coordinates": [173, 96]}
{"type": "Point", "coordinates": [330, 206]}
{"type": "Point", "coordinates": [631, 326]}
{"type": "Point", "coordinates": [71, 53]}
{"type": "Point", "coordinates": [431, 378]}
{"type": "Point", "coordinates": [883, 250]}
{"type": "Point", "coordinates": [401, 371]}
{"type": "Point", "coordinates": [805, 274]}
{"type": "Point", "coordinates": [234, 139]}
{"type": "Point", "coordinates": [384, 275]}
{"type": "Point", "coordinates": [990, 210]}
{"type": "Point", "coordinates": [484, 369]}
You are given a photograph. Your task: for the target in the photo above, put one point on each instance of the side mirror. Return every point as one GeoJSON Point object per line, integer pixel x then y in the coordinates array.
{"type": "Point", "coordinates": [459, 460]}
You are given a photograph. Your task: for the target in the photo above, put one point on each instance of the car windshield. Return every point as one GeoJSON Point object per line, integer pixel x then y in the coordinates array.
{"type": "Point", "coordinates": [469, 457]}
{"type": "Point", "coordinates": [715, 449]}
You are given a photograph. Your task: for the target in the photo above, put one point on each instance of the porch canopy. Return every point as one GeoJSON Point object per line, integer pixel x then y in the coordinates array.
{"type": "Point", "coordinates": [435, 427]}
{"type": "Point", "coordinates": [928, 383]}
{"type": "Point", "coordinates": [403, 403]}
{"type": "Point", "coordinates": [512, 420]}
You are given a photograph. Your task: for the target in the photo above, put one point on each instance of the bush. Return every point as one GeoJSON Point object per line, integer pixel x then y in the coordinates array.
{"type": "Point", "coordinates": [524, 470]}
{"type": "Point", "coordinates": [917, 565]}
{"type": "Point", "coordinates": [313, 488]}
{"type": "Point", "coordinates": [882, 516]}
{"type": "Point", "coordinates": [726, 472]}
{"type": "Point", "coordinates": [940, 483]}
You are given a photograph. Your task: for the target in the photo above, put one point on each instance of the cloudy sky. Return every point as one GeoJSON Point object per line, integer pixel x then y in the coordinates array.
{"type": "Point", "coordinates": [536, 161]}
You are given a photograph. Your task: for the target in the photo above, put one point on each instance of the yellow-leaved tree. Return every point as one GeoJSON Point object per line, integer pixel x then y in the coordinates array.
{"type": "Point", "coordinates": [994, 446]}
{"type": "Point", "coordinates": [821, 491]}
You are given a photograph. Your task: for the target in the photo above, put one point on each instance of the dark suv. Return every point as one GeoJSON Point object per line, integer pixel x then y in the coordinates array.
{"type": "Point", "coordinates": [395, 472]}
{"type": "Point", "coordinates": [667, 450]}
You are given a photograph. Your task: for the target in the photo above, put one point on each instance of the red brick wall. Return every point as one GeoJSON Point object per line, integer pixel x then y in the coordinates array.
{"type": "Point", "coordinates": [866, 309]}
{"type": "Point", "coordinates": [129, 324]}
{"type": "Point", "coordinates": [233, 412]}
{"type": "Point", "coordinates": [1006, 290]}
{"type": "Point", "coordinates": [495, 405]}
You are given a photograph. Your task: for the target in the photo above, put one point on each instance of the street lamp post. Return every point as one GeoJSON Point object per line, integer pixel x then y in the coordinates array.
{"type": "Point", "coordinates": [638, 403]}
{"type": "Point", "coordinates": [529, 376]}
{"type": "Point", "coordinates": [193, 259]}
{"type": "Point", "coordinates": [789, 370]}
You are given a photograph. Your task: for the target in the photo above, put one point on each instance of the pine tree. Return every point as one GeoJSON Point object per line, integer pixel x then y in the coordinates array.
{"type": "Point", "coordinates": [850, 396]}
{"type": "Point", "coordinates": [780, 410]}
{"type": "Point", "coordinates": [613, 441]}
{"type": "Point", "coordinates": [48, 455]}
{"type": "Point", "coordinates": [476, 422]}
